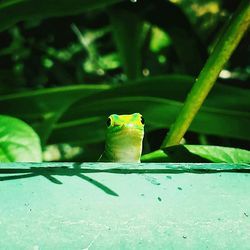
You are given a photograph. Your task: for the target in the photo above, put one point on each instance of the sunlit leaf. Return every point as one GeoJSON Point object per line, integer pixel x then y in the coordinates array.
{"type": "Point", "coordinates": [198, 153]}
{"type": "Point", "coordinates": [159, 40]}
{"type": "Point", "coordinates": [18, 141]}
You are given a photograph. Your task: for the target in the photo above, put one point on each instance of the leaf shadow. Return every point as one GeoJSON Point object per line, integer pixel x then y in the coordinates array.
{"type": "Point", "coordinates": [77, 169]}
{"type": "Point", "coordinates": [48, 173]}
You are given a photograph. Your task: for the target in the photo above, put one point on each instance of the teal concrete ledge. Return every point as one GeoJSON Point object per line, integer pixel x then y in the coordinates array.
{"type": "Point", "coordinates": [124, 206]}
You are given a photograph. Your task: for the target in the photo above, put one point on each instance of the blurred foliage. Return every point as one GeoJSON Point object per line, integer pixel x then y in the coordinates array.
{"type": "Point", "coordinates": [65, 66]}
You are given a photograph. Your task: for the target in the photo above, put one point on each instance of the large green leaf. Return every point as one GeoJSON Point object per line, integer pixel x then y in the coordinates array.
{"type": "Point", "coordinates": [157, 98]}
{"type": "Point", "coordinates": [222, 114]}
{"type": "Point", "coordinates": [198, 153]}
{"type": "Point", "coordinates": [158, 112]}
{"type": "Point", "coordinates": [165, 86]}
{"type": "Point", "coordinates": [42, 108]}
{"type": "Point", "coordinates": [18, 141]}
{"type": "Point", "coordinates": [13, 11]}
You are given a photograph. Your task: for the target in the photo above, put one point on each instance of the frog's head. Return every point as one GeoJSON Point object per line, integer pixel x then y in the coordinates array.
{"type": "Point", "coordinates": [124, 137]}
{"type": "Point", "coordinates": [125, 122]}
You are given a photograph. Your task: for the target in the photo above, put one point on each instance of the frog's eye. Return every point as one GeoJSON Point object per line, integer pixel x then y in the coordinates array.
{"type": "Point", "coordinates": [108, 122]}
{"type": "Point", "coordinates": [142, 121]}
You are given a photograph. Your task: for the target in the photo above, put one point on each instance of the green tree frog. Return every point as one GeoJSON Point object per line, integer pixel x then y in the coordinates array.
{"type": "Point", "coordinates": [124, 137]}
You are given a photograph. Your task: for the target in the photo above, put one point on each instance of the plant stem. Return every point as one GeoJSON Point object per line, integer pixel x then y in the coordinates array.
{"type": "Point", "coordinates": [207, 77]}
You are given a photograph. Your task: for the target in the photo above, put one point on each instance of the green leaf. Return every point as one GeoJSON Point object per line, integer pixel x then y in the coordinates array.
{"type": "Point", "coordinates": [198, 153]}
{"type": "Point", "coordinates": [222, 115]}
{"type": "Point", "coordinates": [12, 11]}
{"type": "Point", "coordinates": [18, 141]}
{"type": "Point", "coordinates": [158, 112]}
{"type": "Point", "coordinates": [42, 108]}
{"type": "Point", "coordinates": [86, 107]}
{"type": "Point", "coordinates": [221, 154]}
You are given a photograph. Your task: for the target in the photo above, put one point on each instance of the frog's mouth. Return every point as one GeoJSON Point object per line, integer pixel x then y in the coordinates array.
{"type": "Point", "coordinates": [127, 129]}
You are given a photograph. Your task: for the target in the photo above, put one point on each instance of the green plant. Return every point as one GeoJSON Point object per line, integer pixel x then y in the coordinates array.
{"type": "Point", "coordinates": [18, 141]}
{"type": "Point", "coordinates": [117, 58]}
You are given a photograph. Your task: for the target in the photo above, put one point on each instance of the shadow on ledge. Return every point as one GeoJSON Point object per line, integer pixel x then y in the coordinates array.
{"type": "Point", "coordinates": [76, 169]}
